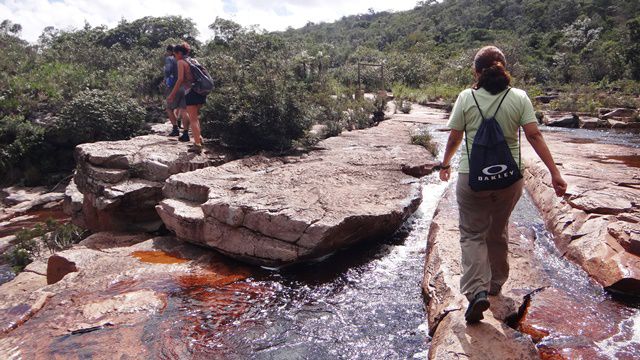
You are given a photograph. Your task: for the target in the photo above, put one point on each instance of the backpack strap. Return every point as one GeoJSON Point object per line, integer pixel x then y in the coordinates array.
{"type": "Point", "coordinates": [478, 106]}
{"type": "Point", "coordinates": [505, 95]}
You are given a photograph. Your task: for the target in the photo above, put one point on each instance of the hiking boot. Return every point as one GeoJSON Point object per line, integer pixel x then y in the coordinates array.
{"type": "Point", "coordinates": [196, 148]}
{"type": "Point", "coordinates": [184, 137]}
{"type": "Point", "coordinates": [175, 131]}
{"type": "Point", "coordinates": [477, 306]}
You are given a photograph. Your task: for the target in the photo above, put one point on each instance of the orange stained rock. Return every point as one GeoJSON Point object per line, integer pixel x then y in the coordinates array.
{"type": "Point", "coordinates": [209, 280]}
{"type": "Point", "coordinates": [158, 257]}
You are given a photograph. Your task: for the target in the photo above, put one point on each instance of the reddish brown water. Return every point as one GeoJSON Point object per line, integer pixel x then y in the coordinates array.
{"type": "Point", "coordinates": [158, 257]}
{"type": "Point", "coordinates": [574, 318]}
{"type": "Point", "coordinates": [32, 218]}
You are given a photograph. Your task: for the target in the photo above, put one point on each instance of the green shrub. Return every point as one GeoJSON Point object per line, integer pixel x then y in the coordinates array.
{"type": "Point", "coordinates": [424, 139]}
{"type": "Point", "coordinates": [21, 142]}
{"type": "Point", "coordinates": [268, 114]}
{"type": "Point", "coordinates": [261, 101]}
{"type": "Point", "coordinates": [51, 235]}
{"type": "Point", "coordinates": [359, 114]}
{"type": "Point", "coordinates": [96, 115]}
{"type": "Point", "coordinates": [403, 105]}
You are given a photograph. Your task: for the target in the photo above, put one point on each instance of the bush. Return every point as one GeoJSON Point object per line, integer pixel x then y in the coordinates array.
{"type": "Point", "coordinates": [261, 102]}
{"type": "Point", "coordinates": [265, 115]}
{"type": "Point", "coordinates": [403, 105]}
{"type": "Point", "coordinates": [21, 143]}
{"type": "Point", "coordinates": [51, 235]}
{"type": "Point", "coordinates": [424, 139]}
{"type": "Point", "coordinates": [96, 115]}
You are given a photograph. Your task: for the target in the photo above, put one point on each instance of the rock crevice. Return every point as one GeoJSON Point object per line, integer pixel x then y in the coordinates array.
{"type": "Point", "coordinates": [594, 223]}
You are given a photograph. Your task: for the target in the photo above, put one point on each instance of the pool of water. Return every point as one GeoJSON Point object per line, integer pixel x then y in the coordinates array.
{"type": "Point", "coordinates": [362, 303]}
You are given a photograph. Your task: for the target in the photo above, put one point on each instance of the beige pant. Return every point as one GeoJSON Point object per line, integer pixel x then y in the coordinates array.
{"type": "Point", "coordinates": [484, 235]}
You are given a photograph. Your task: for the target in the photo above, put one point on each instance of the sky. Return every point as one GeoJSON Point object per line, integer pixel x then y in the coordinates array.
{"type": "Point", "coordinates": [35, 15]}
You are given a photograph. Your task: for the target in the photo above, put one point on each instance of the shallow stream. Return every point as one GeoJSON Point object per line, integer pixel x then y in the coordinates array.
{"type": "Point", "coordinates": [361, 303]}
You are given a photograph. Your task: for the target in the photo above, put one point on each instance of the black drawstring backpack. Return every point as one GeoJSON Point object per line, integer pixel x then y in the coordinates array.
{"type": "Point", "coordinates": [491, 165]}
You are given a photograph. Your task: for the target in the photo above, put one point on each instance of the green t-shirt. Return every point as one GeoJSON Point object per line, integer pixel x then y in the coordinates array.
{"type": "Point", "coordinates": [515, 111]}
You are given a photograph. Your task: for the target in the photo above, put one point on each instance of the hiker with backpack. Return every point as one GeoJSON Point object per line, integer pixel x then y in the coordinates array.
{"type": "Point", "coordinates": [183, 83]}
{"type": "Point", "coordinates": [489, 117]}
{"type": "Point", "coordinates": [194, 99]}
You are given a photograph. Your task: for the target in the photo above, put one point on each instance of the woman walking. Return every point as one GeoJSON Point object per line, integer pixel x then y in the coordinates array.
{"type": "Point", "coordinates": [484, 207]}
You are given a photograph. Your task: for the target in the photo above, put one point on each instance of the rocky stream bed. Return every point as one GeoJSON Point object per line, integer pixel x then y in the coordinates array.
{"type": "Point", "coordinates": [130, 294]}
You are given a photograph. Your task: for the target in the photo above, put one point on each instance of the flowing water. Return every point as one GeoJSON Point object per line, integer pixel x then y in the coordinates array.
{"type": "Point", "coordinates": [361, 303]}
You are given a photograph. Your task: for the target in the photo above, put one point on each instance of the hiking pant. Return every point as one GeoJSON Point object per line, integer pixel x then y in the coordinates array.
{"type": "Point", "coordinates": [484, 235]}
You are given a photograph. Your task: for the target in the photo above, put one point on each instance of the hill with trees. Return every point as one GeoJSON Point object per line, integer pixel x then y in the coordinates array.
{"type": "Point", "coordinates": [97, 83]}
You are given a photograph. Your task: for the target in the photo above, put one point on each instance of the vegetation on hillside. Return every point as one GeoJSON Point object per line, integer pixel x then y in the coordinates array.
{"type": "Point", "coordinates": [97, 83]}
{"type": "Point", "coordinates": [546, 42]}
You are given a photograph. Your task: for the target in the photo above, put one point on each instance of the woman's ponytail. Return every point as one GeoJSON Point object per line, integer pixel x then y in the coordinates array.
{"type": "Point", "coordinates": [492, 75]}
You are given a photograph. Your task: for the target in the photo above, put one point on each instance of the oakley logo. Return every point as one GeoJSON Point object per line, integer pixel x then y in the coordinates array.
{"type": "Point", "coordinates": [494, 170]}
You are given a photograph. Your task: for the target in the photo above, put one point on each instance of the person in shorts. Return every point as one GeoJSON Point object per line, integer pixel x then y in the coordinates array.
{"type": "Point", "coordinates": [193, 101]}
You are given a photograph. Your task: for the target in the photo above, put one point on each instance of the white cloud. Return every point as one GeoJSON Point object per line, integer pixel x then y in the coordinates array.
{"type": "Point", "coordinates": [35, 15]}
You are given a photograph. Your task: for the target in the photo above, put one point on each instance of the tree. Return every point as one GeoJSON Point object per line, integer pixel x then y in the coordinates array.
{"type": "Point", "coordinates": [224, 31]}
{"type": "Point", "coordinates": [633, 47]}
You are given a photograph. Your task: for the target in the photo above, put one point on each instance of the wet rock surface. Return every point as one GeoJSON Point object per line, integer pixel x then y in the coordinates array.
{"type": "Point", "coordinates": [492, 338]}
{"type": "Point", "coordinates": [112, 297]}
{"type": "Point", "coordinates": [275, 211]}
{"type": "Point", "coordinates": [549, 308]}
{"type": "Point", "coordinates": [17, 201]}
{"type": "Point", "coordinates": [118, 183]}
{"type": "Point", "coordinates": [596, 223]}
{"type": "Point", "coordinates": [603, 329]}
{"type": "Point", "coordinates": [620, 119]}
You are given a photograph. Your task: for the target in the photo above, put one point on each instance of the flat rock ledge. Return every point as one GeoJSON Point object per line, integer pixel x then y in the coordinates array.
{"type": "Point", "coordinates": [279, 211]}
{"type": "Point", "coordinates": [106, 293]}
{"type": "Point", "coordinates": [118, 183]}
{"type": "Point", "coordinates": [597, 224]}
{"type": "Point", "coordinates": [492, 338]}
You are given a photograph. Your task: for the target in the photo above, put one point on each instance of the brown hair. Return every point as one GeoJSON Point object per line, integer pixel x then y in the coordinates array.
{"type": "Point", "coordinates": [180, 49]}
{"type": "Point", "coordinates": [187, 47]}
{"type": "Point", "coordinates": [490, 66]}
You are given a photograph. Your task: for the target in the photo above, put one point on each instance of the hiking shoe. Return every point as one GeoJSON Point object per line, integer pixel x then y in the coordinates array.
{"type": "Point", "coordinates": [477, 306]}
{"type": "Point", "coordinates": [175, 131]}
{"type": "Point", "coordinates": [184, 137]}
{"type": "Point", "coordinates": [196, 148]}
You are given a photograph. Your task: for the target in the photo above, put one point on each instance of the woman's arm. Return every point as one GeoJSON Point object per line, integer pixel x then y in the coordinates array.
{"type": "Point", "coordinates": [454, 141]}
{"type": "Point", "coordinates": [535, 138]}
{"type": "Point", "coordinates": [180, 80]}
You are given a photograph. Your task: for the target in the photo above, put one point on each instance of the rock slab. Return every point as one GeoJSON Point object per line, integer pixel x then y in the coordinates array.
{"type": "Point", "coordinates": [596, 224]}
{"type": "Point", "coordinates": [118, 183]}
{"type": "Point", "coordinates": [280, 211]}
{"type": "Point", "coordinates": [492, 338]}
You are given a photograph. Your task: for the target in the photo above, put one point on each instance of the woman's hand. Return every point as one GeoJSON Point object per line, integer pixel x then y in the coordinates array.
{"type": "Point", "coordinates": [445, 174]}
{"type": "Point", "coordinates": [558, 183]}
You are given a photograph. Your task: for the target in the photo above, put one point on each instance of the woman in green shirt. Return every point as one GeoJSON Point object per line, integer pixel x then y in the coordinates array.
{"type": "Point", "coordinates": [484, 215]}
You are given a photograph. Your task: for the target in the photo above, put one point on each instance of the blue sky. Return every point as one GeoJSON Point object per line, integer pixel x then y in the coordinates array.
{"type": "Point", "coordinates": [34, 15]}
